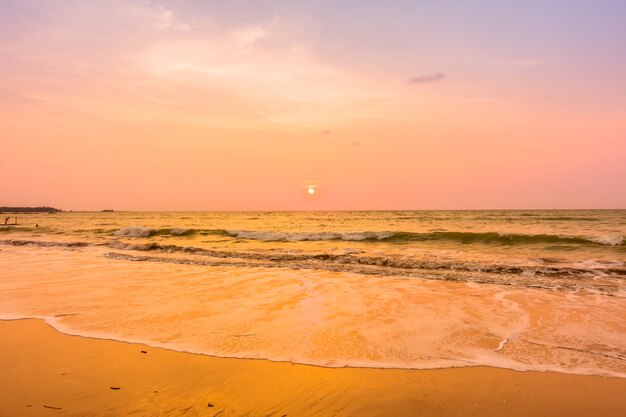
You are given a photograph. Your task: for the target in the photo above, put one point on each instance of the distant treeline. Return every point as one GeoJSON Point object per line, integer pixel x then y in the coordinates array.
{"type": "Point", "coordinates": [44, 209]}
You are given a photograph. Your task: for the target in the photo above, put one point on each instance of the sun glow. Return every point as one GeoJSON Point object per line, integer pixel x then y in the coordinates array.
{"type": "Point", "coordinates": [311, 190]}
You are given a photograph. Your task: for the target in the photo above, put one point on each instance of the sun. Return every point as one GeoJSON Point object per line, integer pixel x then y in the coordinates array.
{"type": "Point", "coordinates": [311, 190]}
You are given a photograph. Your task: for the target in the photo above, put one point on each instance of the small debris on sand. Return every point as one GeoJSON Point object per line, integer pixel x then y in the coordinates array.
{"type": "Point", "coordinates": [53, 408]}
{"type": "Point", "coordinates": [115, 388]}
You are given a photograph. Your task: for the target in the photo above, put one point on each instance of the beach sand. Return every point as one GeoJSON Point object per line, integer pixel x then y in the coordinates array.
{"type": "Point", "coordinates": [44, 372]}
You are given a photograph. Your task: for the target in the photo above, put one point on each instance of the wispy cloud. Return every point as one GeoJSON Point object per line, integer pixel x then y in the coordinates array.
{"type": "Point", "coordinates": [427, 78]}
{"type": "Point", "coordinates": [188, 67]}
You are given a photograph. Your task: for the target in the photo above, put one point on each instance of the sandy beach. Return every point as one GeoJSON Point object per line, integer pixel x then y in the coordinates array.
{"type": "Point", "coordinates": [49, 373]}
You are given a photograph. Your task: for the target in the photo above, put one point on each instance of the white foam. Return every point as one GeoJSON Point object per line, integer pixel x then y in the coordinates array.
{"type": "Point", "coordinates": [608, 240]}
{"type": "Point", "coordinates": [308, 236]}
{"type": "Point", "coordinates": [134, 231]}
{"type": "Point", "coordinates": [502, 344]}
{"type": "Point", "coordinates": [342, 320]}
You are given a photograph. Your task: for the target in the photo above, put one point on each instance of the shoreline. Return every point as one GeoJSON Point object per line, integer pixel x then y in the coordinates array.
{"type": "Point", "coordinates": [50, 322]}
{"type": "Point", "coordinates": [49, 372]}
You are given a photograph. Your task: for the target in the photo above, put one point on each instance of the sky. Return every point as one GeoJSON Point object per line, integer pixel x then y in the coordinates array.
{"type": "Point", "coordinates": [244, 105]}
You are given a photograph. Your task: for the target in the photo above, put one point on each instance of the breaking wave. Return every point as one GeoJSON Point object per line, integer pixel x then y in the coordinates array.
{"type": "Point", "coordinates": [135, 231]}
{"type": "Point", "coordinates": [398, 237]}
{"type": "Point", "coordinates": [401, 237]}
{"type": "Point", "coordinates": [309, 236]}
{"type": "Point", "coordinates": [607, 280]}
{"type": "Point", "coordinates": [600, 276]}
{"type": "Point", "coordinates": [140, 231]}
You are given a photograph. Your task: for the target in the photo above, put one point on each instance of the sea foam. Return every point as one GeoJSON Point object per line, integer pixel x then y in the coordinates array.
{"type": "Point", "coordinates": [134, 231]}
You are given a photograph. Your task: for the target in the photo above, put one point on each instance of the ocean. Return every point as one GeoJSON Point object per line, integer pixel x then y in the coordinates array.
{"type": "Point", "coordinates": [524, 290]}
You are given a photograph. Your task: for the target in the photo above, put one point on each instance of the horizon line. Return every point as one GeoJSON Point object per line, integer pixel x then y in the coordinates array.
{"type": "Point", "coordinates": [304, 210]}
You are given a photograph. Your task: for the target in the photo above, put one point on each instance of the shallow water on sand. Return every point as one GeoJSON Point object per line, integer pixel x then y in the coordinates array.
{"type": "Point", "coordinates": [541, 290]}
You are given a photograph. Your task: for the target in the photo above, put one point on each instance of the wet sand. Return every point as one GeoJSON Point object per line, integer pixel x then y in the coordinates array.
{"type": "Point", "coordinates": [44, 372]}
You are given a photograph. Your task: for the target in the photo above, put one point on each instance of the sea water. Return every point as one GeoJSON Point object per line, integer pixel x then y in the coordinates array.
{"type": "Point", "coordinates": [525, 290]}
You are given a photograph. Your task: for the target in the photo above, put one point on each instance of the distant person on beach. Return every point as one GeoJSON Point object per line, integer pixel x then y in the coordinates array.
{"type": "Point", "coordinates": [6, 221]}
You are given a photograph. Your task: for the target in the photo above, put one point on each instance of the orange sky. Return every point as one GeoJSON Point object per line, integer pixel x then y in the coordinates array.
{"type": "Point", "coordinates": [182, 105]}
